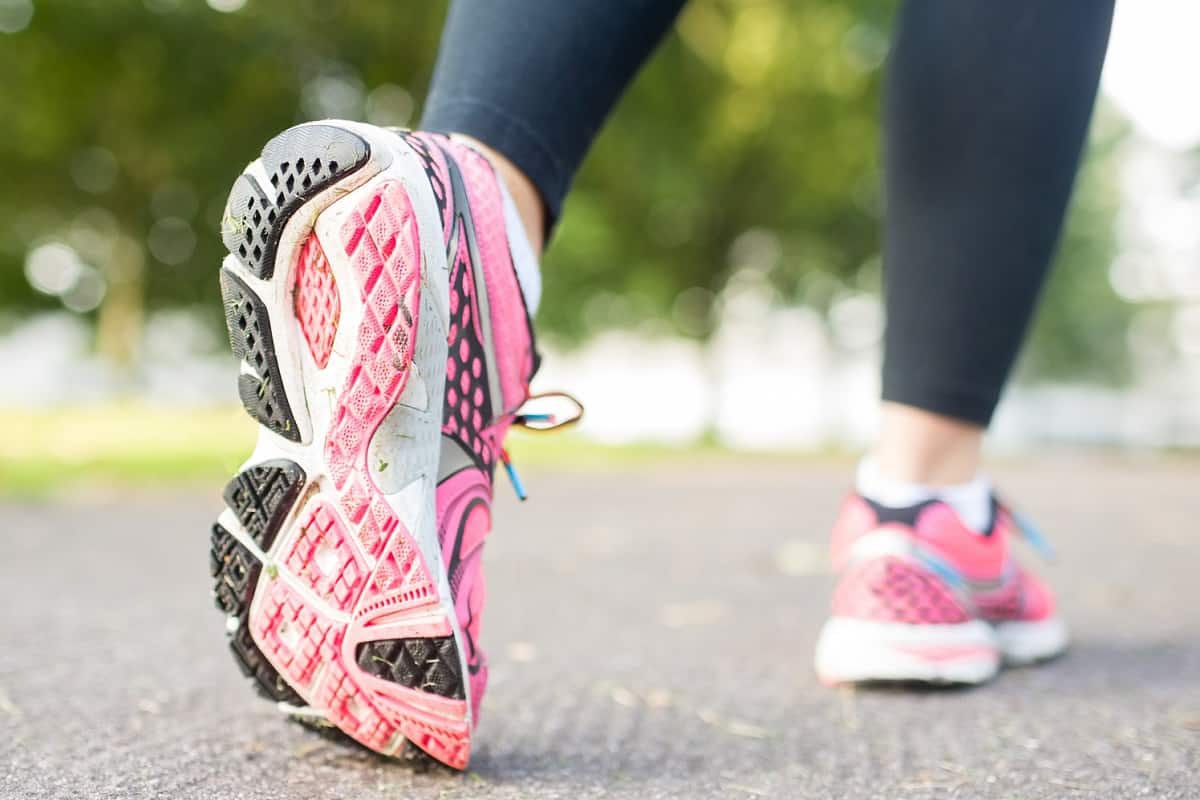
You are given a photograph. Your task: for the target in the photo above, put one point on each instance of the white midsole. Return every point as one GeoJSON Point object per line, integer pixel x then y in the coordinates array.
{"type": "Point", "coordinates": [1026, 642]}
{"type": "Point", "coordinates": [851, 650]}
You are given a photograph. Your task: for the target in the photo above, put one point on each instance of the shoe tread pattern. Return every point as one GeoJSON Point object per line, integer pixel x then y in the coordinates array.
{"type": "Point", "coordinates": [261, 390]}
{"type": "Point", "coordinates": [261, 497]}
{"type": "Point", "coordinates": [299, 163]}
{"type": "Point", "coordinates": [428, 664]}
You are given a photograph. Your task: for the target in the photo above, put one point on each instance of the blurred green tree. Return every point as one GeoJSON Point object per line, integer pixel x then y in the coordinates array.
{"type": "Point", "coordinates": [1082, 329]}
{"type": "Point", "coordinates": [127, 120]}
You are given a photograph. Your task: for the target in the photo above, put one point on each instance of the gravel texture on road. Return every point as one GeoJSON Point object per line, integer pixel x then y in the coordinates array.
{"type": "Point", "coordinates": [650, 633]}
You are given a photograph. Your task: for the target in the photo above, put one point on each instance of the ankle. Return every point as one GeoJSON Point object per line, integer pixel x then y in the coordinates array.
{"type": "Point", "coordinates": [917, 446]}
{"type": "Point", "coordinates": [525, 195]}
{"type": "Point", "coordinates": [971, 500]}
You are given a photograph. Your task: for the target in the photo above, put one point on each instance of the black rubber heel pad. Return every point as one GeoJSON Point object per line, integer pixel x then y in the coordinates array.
{"type": "Point", "coordinates": [300, 162]}
{"type": "Point", "coordinates": [236, 574]}
{"type": "Point", "coordinates": [262, 496]}
{"type": "Point", "coordinates": [250, 338]}
{"type": "Point", "coordinates": [235, 571]}
{"type": "Point", "coordinates": [431, 664]}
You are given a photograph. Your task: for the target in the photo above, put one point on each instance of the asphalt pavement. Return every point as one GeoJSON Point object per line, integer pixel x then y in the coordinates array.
{"type": "Point", "coordinates": [650, 631]}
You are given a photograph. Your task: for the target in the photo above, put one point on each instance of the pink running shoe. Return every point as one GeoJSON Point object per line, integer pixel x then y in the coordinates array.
{"type": "Point", "coordinates": [371, 292]}
{"type": "Point", "coordinates": [921, 597]}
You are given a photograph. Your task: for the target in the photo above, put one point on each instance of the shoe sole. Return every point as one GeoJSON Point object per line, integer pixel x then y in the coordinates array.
{"type": "Point", "coordinates": [326, 561]}
{"type": "Point", "coordinates": [857, 651]}
{"type": "Point", "coordinates": [853, 651]}
{"type": "Point", "coordinates": [1024, 643]}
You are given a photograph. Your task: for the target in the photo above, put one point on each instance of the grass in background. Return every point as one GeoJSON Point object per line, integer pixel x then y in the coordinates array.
{"type": "Point", "coordinates": [138, 446]}
{"type": "Point", "coordinates": [131, 445]}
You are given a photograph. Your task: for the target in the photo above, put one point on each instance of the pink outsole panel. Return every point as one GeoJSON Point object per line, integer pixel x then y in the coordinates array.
{"type": "Point", "coordinates": [317, 304]}
{"type": "Point", "coordinates": [297, 639]}
{"type": "Point", "coordinates": [381, 241]}
{"type": "Point", "coordinates": [320, 554]}
{"type": "Point", "coordinates": [346, 545]}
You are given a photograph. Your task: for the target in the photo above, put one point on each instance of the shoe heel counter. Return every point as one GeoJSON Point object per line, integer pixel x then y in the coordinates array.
{"type": "Point", "coordinates": [896, 589]}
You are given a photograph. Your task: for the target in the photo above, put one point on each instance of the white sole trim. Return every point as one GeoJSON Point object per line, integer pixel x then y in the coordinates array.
{"type": "Point", "coordinates": [852, 651]}
{"type": "Point", "coordinates": [1029, 642]}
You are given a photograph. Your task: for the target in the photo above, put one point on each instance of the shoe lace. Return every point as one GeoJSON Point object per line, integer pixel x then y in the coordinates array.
{"type": "Point", "coordinates": [1032, 534]}
{"type": "Point", "coordinates": [531, 419]}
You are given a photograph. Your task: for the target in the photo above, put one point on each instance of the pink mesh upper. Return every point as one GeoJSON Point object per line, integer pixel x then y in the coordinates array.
{"type": "Point", "coordinates": [472, 416]}
{"type": "Point", "coordinates": [975, 557]}
{"type": "Point", "coordinates": [890, 590]}
{"type": "Point", "coordinates": [855, 519]}
{"type": "Point", "coordinates": [1024, 597]}
{"type": "Point", "coordinates": [468, 406]}
{"type": "Point", "coordinates": [428, 148]}
{"type": "Point", "coordinates": [510, 324]}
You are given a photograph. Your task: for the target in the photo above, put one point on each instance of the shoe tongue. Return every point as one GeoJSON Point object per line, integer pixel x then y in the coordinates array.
{"type": "Point", "coordinates": [525, 261]}
{"type": "Point", "coordinates": [527, 268]}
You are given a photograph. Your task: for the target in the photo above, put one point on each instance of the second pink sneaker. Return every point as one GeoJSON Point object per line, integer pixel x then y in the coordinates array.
{"type": "Point", "coordinates": [372, 297]}
{"type": "Point", "coordinates": [922, 597]}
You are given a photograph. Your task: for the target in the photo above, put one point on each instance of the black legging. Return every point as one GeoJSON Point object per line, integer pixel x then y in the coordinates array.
{"type": "Point", "coordinates": [986, 112]}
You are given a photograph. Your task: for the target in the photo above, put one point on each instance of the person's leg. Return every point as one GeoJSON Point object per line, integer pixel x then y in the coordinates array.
{"type": "Point", "coordinates": [987, 108]}
{"type": "Point", "coordinates": [534, 81]}
{"type": "Point", "coordinates": [986, 112]}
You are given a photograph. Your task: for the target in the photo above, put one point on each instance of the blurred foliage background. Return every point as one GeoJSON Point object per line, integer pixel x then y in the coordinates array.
{"type": "Point", "coordinates": [753, 136]}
